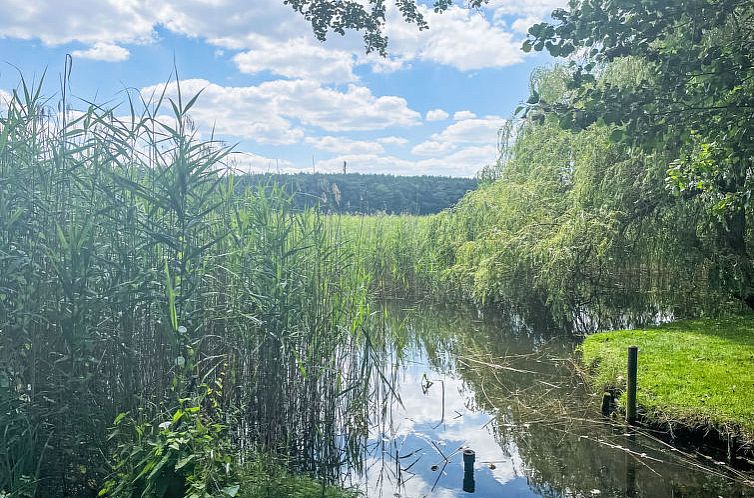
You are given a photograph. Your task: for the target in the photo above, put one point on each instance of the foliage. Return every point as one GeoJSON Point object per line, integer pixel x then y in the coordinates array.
{"type": "Point", "coordinates": [340, 16]}
{"type": "Point", "coordinates": [692, 101]}
{"type": "Point", "coordinates": [188, 455]}
{"type": "Point", "coordinates": [713, 357]}
{"type": "Point", "coordinates": [132, 269]}
{"type": "Point", "coordinates": [367, 194]}
{"type": "Point", "coordinates": [21, 454]}
{"type": "Point", "coordinates": [389, 249]}
{"type": "Point", "coordinates": [573, 222]}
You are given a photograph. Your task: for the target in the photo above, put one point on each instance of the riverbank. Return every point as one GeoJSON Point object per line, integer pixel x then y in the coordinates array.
{"type": "Point", "coordinates": [692, 373]}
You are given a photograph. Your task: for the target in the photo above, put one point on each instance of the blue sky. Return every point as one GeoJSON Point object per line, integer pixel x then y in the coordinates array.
{"type": "Point", "coordinates": [433, 106]}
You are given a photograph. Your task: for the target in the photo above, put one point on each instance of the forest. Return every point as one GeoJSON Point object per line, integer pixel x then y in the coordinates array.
{"type": "Point", "coordinates": [367, 193]}
{"type": "Point", "coordinates": [170, 329]}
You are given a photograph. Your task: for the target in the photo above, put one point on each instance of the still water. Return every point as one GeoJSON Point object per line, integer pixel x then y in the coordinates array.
{"type": "Point", "coordinates": [509, 392]}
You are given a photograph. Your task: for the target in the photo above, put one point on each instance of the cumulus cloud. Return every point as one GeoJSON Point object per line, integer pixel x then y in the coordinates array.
{"type": "Point", "coordinates": [275, 112]}
{"type": "Point", "coordinates": [392, 140]}
{"type": "Point", "coordinates": [273, 37]}
{"type": "Point", "coordinates": [298, 58]}
{"type": "Point", "coordinates": [55, 22]}
{"type": "Point", "coordinates": [537, 8]}
{"type": "Point", "coordinates": [522, 25]}
{"type": "Point", "coordinates": [463, 162]}
{"type": "Point", "coordinates": [461, 38]}
{"type": "Point", "coordinates": [461, 115]}
{"type": "Point", "coordinates": [432, 148]}
{"type": "Point", "coordinates": [457, 138]}
{"type": "Point", "coordinates": [248, 162]}
{"type": "Point", "coordinates": [342, 145]}
{"type": "Point", "coordinates": [436, 115]}
{"type": "Point", "coordinates": [102, 51]}
{"type": "Point", "coordinates": [472, 130]}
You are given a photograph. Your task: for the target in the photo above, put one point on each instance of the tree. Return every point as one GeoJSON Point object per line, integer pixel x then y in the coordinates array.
{"type": "Point", "coordinates": [339, 16]}
{"type": "Point", "coordinates": [693, 99]}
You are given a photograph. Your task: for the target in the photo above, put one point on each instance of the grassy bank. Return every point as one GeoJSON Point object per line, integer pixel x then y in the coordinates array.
{"type": "Point", "coordinates": [696, 372]}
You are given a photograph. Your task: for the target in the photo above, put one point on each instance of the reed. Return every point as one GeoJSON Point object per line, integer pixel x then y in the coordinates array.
{"type": "Point", "coordinates": [132, 270]}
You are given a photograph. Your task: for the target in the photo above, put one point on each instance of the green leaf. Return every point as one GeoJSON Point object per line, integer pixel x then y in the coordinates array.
{"type": "Point", "coordinates": [183, 461]}
{"type": "Point", "coordinates": [231, 490]}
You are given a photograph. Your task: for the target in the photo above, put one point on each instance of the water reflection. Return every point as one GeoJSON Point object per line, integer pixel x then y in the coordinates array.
{"type": "Point", "coordinates": [508, 392]}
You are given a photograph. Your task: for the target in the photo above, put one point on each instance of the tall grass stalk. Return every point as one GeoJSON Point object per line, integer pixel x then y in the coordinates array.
{"type": "Point", "coordinates": [131, 271]}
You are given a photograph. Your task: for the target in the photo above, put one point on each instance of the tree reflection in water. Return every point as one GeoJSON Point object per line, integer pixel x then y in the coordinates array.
{"type": "Point", "coordinates": [510, 392]}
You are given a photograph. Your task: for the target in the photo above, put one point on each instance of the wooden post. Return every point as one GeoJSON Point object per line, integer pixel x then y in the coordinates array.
{"type": "Point", "coordinates": [607, 400]}
{"type": "Point", "coordinates": [633, 353]}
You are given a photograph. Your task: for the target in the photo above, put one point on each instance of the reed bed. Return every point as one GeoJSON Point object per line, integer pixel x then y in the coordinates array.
{"type": "Point", "coordinates": [132, 271]}
{"type": "Point", "coordinates": [394, 250]}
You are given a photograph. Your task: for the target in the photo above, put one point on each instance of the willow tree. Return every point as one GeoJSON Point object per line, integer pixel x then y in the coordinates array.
{"type": "Point", "coordinates": [694, 99]}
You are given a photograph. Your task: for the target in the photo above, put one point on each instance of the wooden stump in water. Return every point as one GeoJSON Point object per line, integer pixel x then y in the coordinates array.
{"type": "Point", "coordinates": [607, 401]}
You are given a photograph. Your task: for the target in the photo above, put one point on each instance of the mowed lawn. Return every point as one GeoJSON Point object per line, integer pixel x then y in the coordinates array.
{"type": "Point", "coordinates": [692, 371]}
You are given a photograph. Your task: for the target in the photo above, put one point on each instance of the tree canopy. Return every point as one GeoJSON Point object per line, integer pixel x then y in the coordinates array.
{"type": "Point", "coordinates": [691, 97]}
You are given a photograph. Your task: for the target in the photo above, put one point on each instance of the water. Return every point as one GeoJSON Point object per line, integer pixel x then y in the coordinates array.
{"type": "Point", "coordinates": [510, 393]}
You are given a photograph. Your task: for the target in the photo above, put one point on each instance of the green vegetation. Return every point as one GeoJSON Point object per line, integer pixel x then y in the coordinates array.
{"type": "Point", "coordinates": [263, 477]}
{"type": "Point", "coordinates": [164, 323]}
{"type": "Point", "coordinates": [693, 372]}
{"type": "Point", "coordinates": [367, 194]}
{"type": "Point", "coordinates": [139, 285]}
{"type": "Point", "coordinates": [389, 249]}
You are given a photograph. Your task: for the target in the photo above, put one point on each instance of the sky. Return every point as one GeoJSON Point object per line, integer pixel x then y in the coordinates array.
{"type": "Point", "coordinates": [287, 102]}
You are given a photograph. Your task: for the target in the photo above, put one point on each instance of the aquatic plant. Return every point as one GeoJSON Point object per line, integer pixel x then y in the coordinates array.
{"type": "Point", "coordinates": [132, 271]}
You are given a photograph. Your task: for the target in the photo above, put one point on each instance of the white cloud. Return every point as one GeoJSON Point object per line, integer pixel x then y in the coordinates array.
{"type": "Point", "coordinates": [472, 130]}
{"type": "Point", "coordinates": [461, 115]}
{"type": "Point", "coordinates": [342, 145]}
{"type": "Point", "coordinates": [55, 22]}
{"type": "Point", "coordinates": [469, 131]}
{"type": "Point", "coordinates": [275, 112]}
{"type": "Point", "coordinates": [537, 8]}
{"type": "Point", "coordinates": [275, 38]}
{"type": "Point", "coordinates": [102, 51]}
{"type": "Point", "coordinates": [460, 37]}
{"type": "Point", "coordinates": [298, 58]}
{"type": "Point", "coordinates": [522, 24]}
{"type": "Point", "coordinates": [432, 148]}
{"type": "Point", "coordinates": [392, 140]}
{"type": "Point", "coordinates": [436, 115]}
{"type": "Point", "coordinates": [248, 162]}
{"type": "Point", "coordinates": [464, 162]}
{"type": "Point", "coordinates": [383, 65]}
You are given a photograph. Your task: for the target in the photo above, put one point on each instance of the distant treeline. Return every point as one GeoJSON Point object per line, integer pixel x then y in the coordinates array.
{"type": "Point", "coordinates": [367, 193]}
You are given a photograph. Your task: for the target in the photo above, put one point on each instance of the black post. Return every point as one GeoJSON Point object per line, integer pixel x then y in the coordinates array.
{"type": "Point", "coordinates": [468, 470]}
{"type": "Point", "coordinates": [633, 353]}
{"type": "Point", "coordinates": [607, 400]}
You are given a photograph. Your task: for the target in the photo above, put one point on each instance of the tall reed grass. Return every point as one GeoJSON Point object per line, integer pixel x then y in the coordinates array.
{"type": "Point", "coordinates": [131, 271]}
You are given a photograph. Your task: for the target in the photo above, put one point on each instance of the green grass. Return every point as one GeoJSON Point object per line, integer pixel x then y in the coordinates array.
{"type": "Point", "coordinates": [697, 372]}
